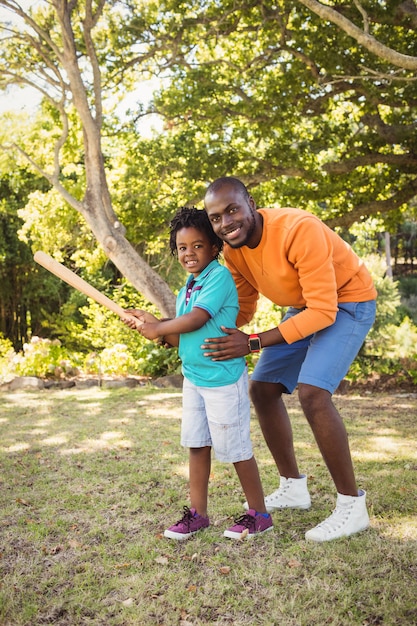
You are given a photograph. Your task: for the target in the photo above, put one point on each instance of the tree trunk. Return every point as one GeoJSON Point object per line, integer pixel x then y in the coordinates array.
{"type": "Point", "coordinates": [96, 206]}
{"type": "Point", "coordinates": [388, 254]}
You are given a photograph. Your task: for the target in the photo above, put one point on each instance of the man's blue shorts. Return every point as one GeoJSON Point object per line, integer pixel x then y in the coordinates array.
{"type": "Point", "coordinates": [322, 359]}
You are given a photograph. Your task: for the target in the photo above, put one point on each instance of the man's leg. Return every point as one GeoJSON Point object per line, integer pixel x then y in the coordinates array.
{"type": "Point", "coordinates": [350, 515]}
{"type": "Point", "coordinates": [277, 431]}
{"type": "Point", "coordinates": [275, 425]}
{"type": "Point", "coordinates": [331, 437]}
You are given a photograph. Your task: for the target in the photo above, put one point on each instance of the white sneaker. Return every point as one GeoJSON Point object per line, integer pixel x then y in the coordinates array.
{"type": "Point", "coordinates": [292, 494]}
{"type": "Point", "coordinates": [349, 517]}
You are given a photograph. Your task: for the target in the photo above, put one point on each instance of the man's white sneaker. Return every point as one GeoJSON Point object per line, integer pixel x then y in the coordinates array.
{"type": "Point", "coordinates": [291, 494]}
{"type": "Point", "coordinates": [349, 517]}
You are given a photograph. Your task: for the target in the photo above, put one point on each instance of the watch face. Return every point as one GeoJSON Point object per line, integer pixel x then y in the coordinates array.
{"type": "Point", "coordinates": [255, 344]}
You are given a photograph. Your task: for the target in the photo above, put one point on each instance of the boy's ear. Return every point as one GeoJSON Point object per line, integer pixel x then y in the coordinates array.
{"type": "Point", "coordinates": [215, 250]}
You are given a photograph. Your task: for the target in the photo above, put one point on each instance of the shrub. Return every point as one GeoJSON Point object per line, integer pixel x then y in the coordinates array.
{"type": "Point", "coordinates": [45, 358]}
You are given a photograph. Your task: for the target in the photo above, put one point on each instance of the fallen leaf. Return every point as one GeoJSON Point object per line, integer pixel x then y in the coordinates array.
{"type": "Point", "coordinates": [162, 560]}
{"type": "Point", "coordinates": [21, 501]}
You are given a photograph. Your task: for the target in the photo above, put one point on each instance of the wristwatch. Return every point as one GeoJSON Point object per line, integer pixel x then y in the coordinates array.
{"type": "Point", "coordinates": [254, 343]}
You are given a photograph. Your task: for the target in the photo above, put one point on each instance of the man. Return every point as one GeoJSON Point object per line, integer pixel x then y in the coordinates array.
{"type": "Point", "coordinates": [295, 260]}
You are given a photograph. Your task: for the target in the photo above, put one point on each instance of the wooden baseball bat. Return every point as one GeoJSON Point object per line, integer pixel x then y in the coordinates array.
{"type": "Point", "coordinates": [79, 283]}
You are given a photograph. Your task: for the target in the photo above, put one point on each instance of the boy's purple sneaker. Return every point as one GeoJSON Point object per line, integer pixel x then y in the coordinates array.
{"type": "Point", "coordinates": [249, 525]}
{"type": "Point", "coordinates": [190, 523]}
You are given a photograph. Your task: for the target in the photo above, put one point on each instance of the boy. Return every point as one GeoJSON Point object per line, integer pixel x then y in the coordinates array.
{"type": "Point", "coordinates": [216, 409]}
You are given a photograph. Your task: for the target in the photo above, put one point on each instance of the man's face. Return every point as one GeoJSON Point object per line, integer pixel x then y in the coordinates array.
{"type": "Point", "coordinates": [233, 217]}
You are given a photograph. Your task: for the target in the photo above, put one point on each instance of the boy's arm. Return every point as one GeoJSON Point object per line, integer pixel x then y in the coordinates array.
{"type": "Point", "coordinates": [170, 329]}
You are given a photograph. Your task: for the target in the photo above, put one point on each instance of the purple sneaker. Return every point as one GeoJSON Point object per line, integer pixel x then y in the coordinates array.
{"type": "Point", "coordinates": [249, 525]}
{"type": "Point", "coordinates": [190, 523]}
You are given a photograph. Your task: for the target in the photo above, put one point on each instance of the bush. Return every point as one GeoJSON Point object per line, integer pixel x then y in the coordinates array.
{"type": "Point", "coordinates": [7, 354]}
{"type": "Point", "coordinates": [108, 347]}
{"type": "Point", "coordinates": [45, 358]}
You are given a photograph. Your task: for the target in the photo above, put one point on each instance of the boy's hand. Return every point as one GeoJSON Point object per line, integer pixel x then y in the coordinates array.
{"type": "Point", "coordinates": [141, 317]}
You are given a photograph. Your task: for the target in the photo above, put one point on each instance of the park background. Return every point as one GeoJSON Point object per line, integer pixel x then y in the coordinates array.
{"type": "Point", "coordinates": [130, 109]}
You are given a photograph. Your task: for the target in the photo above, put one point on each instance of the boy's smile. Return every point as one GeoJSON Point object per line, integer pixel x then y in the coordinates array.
{"type": "Point", "coordinates": [194, 250]}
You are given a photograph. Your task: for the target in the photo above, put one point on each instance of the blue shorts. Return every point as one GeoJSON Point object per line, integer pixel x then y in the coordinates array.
{"type": "Point", "coordinates": [322, 359]}
{"type": "Point", "coordinates": [218, 417]}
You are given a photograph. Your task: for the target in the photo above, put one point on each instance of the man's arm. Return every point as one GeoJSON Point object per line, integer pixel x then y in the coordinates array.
{"type": "Point", "coordinates": [236, 343]}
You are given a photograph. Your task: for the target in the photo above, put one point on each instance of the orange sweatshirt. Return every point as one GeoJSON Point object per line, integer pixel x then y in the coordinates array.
{"type": "Point", "coordinates": [299, 262]}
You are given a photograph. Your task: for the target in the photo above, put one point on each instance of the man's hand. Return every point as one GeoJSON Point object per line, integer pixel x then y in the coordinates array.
{"type": "Point", "coordinates": [233, 345]}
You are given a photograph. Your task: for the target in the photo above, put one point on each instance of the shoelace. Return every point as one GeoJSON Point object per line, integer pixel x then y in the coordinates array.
{"type": "Point", "coordinates": [336, 520]}
{"type": "Point", "coordinates": [186, 518]}
{"type": "Point", "coordinates": [246, 520]}
{"type": "Point", "coordinates": [280, 491]}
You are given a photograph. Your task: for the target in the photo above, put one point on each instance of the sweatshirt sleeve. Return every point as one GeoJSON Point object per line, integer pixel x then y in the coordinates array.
{"type": "Point", "coordinates": [309, 249]}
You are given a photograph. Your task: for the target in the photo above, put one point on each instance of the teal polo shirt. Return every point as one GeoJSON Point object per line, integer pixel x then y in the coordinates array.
{"type": "Point", "coordinates": [214, 291]}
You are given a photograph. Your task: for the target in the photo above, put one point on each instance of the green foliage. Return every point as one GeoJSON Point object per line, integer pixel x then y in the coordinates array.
{"type": "Point", "coordinates": [6, 347]}
{"type": "Point", "coordinates": [408, 289]}
{"type": "Point", "coordinates": [114, 360]}
{"type": "Point", "coordinates": [45, 358]}
{"type": "Point", "coordinates": [7, 354]}
{"type": "Point", "coordinates": [391, 345]}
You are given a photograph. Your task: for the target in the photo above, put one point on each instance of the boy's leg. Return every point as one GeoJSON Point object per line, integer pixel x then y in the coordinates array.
{"type": "Point", "coordinates": [248, 474]}
{"type": "Point", "coordinates": [200, 464]}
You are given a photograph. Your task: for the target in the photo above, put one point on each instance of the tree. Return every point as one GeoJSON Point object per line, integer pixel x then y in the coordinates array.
{"type": "Point", "coordinates": [59, 48]}
{"type": "Point", "coordinates": [404, 9]}
{"type": "Point", "coordinates": [301, 112]}
{"type": "Point", "coordinates": [25, 296]}
{"type": "Point", "coordinates": [266, 90]}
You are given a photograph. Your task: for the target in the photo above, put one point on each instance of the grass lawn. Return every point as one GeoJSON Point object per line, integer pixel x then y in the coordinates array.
{"type": "Point", "coordinates": [89, 479]}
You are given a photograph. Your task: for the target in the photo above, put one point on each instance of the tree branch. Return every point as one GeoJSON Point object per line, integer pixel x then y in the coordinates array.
{"type": "Point", "coordinates": [362, 37]}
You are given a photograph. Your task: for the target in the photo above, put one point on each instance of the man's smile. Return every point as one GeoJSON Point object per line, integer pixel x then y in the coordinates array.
{"type": "Point", "coordinates": [232, 234]}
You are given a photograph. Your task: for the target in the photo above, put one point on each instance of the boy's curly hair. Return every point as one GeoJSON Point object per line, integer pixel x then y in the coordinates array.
{"type": "Point", "coordinates": [187, 217]}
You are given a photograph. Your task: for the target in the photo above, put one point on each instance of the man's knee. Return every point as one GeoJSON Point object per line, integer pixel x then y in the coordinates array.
{"type": "Point", "coordinates": [263, 394]}
{"type": "Point", "coordinates": [312, 397]}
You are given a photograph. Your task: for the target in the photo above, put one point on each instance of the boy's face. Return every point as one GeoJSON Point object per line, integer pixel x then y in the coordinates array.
{"type": "Point", "coordinates": [194, 250]}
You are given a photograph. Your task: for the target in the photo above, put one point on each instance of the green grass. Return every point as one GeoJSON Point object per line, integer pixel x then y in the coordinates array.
{"type": "Point", "coordinates": [89, 479]}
